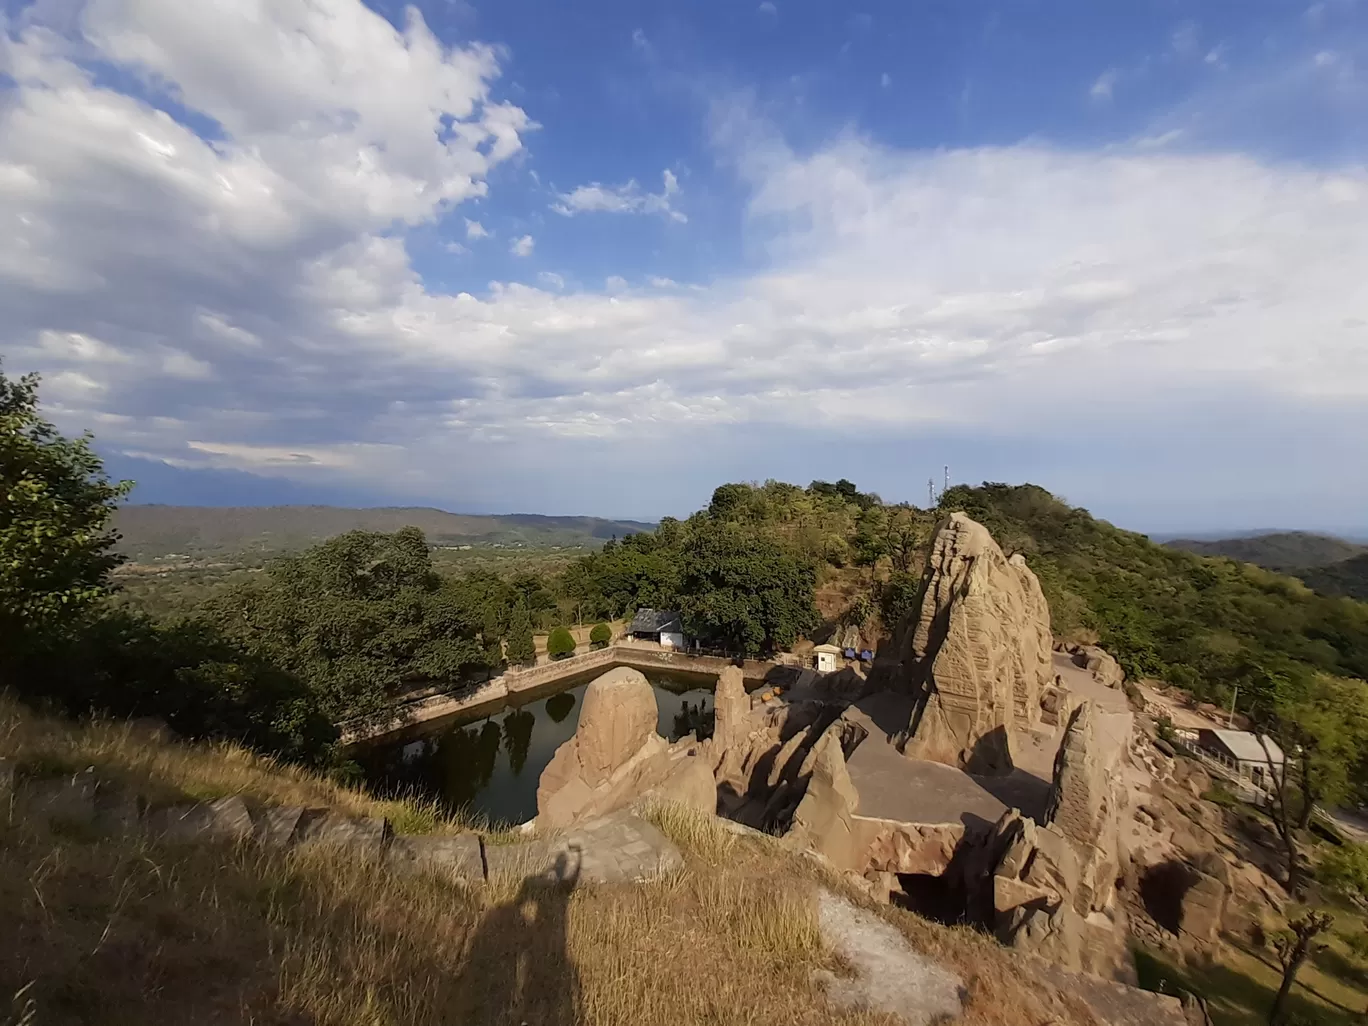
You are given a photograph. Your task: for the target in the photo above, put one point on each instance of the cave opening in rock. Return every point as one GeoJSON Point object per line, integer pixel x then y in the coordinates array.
{"type": "Point", "coordinates": [933, 897]}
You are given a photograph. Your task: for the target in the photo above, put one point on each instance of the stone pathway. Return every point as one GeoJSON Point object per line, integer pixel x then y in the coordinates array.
{"type": "Point", "coordinates": [889, 975]}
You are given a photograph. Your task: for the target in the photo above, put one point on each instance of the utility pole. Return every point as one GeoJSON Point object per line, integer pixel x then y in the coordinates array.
{"type": "Point", "coordinates": [1230, 720]}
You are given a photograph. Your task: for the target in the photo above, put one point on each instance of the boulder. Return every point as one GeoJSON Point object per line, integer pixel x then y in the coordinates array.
{"type": "Point", "coordinates": [616, 757]}
{"type": "Point", "coordinates": [274, 826]}
{"type": "Point", "coordinates": [977, 656]}
{"type": "Point", "coordinates": [1099, 662]}
{"type": "Point", "coordinates": [457, 858]}
{"type": "Point", "coordinates": [823, 820]}
{"type": "Point", "coordinates": [619, 716]}
{"type": "Point", "coordinates": [359, 834]}
{"type": "Point", "coordinates": [223, 819]}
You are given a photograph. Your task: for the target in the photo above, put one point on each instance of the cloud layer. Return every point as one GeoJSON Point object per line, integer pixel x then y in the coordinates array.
{"type": "Point", "coordinates": [209, 264]}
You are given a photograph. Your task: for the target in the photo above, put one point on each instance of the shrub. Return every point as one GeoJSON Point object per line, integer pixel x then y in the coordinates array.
{"type": "Point", "coordinates": [560, 644]}
{"type": "Point", "coordinates": [520, 649]}
{"type": "Point", "coordinates": [600, 635]}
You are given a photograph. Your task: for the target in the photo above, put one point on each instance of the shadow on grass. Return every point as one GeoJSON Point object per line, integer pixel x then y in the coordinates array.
{"type": "Point", "coordinates": [1235, 998]}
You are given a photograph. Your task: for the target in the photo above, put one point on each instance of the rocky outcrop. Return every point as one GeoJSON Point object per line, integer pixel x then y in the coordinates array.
{"type": "Point", "coordinates": [616, 757]}
{"type": "Point", "coordinates": [1097, 661]}
{"type": "Point", "coordinates": [978, 655]}
{"type": "Point", "coordinates": [731, 711]}
{"type": "Point", "coordinates": [823, 820]}
{"type": "Point", "coordinates": [1086, 805]}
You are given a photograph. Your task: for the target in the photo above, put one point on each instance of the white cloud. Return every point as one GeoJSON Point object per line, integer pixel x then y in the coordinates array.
{"type": "Point", "coordinates": [768, 7]}
{"type": "Point", "coordinates": [885, 80]}
{"type": "Point", "coordinates": [622, 199]}
{"type": "Point", "coordinates": [475, 230]}
{"type": "Point", "coordinates": [522, 246]}
{"type": "Point", "coordinates": [663, 283]}
{"type": "Point", "coordinates": [256, 297]}
{"type": "Point", "coordinates": [1103, 86]}
{"type": "Point", "coordinates": [551, 279]}
{"type": "Point", "coordinates": [1185, 40]}
{"type": "Point", "coordinates": [615, 283]}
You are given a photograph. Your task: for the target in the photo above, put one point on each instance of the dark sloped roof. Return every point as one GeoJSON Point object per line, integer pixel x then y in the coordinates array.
{"type": "Point", "coordinates": [656, 621]}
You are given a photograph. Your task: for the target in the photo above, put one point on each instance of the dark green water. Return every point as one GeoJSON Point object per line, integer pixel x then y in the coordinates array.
{"type": "Point", "coordinates": [492, 765]}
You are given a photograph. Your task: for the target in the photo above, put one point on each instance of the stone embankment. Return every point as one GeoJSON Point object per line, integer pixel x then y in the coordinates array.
{"type": "Point", "coordinates": [492, 693]}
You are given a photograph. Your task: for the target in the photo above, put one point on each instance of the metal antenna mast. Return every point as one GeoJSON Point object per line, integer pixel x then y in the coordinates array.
{"type": "Point", "coordinates": [947, 479]}
{"type": "Point", "coordinates": [930, 492]}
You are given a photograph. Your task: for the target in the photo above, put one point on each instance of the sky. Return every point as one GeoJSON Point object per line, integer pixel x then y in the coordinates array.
{"type": "Point", "coordinates": [534, 256]}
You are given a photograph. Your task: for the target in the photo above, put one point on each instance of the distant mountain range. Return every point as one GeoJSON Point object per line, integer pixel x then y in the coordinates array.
{"type": "Point", "coordinates": [1329, 565]}
{"type": "Point", "coordinates": [153, 531]}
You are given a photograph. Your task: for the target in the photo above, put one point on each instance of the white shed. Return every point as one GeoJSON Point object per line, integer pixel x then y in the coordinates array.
{"type": "Point", "coordinates": [827, 657]}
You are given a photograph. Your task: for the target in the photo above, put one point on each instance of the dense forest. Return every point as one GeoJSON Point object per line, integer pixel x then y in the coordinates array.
{"type": "Point", "coordinates": [276, 655]}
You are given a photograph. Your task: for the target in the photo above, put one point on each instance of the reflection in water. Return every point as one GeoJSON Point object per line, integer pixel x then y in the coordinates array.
{"type": "Point", "coordinates": [493, 766]}
{"type": "Point", "coordinates": [558, 706]}
{"type": "Point", "coordinates": [517, 736]}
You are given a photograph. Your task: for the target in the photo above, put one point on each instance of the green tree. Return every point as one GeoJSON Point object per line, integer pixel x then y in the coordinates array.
{"type": "Point", "coordinates": [560, 643]}
{"type": "Point", "coordinates": [519, 648]}
{"type": "Point", "coordinates": [55, 541]}
{"type": "Point", "coordinates": [1293, 948]}
{"type": "Point", "coordinates": [745, 592]}
{"type": "Point", "coordinates": [600, 635]}
{"type": "Point", "coordinates": [1344, 869]}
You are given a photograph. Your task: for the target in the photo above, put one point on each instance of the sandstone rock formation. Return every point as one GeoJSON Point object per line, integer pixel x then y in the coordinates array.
{"type": "Point", "coordinates": [1097, 661]}
{"type": "Point", "coordinates": [823, 818]}
{"type": "Point", "coordinates": [732, 710]}
{"type": "Point", "coordinates": [978, 655]}
{"type": "Point", "coordinates": [616, 757]}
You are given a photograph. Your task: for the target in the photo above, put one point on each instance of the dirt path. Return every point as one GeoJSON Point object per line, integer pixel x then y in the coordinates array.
{"type": "Point", "coordinates": [889, 975]}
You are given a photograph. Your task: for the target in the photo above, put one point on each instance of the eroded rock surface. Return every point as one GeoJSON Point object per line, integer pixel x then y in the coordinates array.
{"type": "Point", "coordinates": [616, 757]}
{"type": "Point", "coordinates": [978, 657]}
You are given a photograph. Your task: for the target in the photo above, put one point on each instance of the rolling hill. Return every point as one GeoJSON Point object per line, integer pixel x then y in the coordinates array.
{"type": "Point", "coordinates": [151, 531]}
{"type": "Point", "coordinates": [1348, 577]}
{"type": "Point", "coordinates": [1286, 551]}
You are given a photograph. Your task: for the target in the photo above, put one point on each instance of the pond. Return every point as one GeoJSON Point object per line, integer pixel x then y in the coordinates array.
{"type": "Point", "coordinates": [491, 766]}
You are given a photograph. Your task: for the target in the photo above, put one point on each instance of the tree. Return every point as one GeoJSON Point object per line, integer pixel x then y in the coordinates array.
{"type": "Point", "coordinates": [519, 648]}
{"type": "Point", "coordinates": [600, 635]}
{"type": "Point", "coordinates": [902, 534]}
{"type": "Point", "coordinates": [1328, 722]}
{"type": "Point", "coordinates": [560, 644]}
{"type": "Point", "coordinates": [744, 592]}
{"type": "Point", "coordinates": [1293, 948]}
{"type": "Point", "coordinates": [1344, 869]}
{"type": "Point", "coordinates": [55, 506]}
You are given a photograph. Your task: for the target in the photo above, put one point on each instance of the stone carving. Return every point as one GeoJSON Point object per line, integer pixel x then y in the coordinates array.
{"type": "Point", "coordinates": [978, 655]}
{"type": "Point", "coordinates": [732, 710]}
{"type": "Point", "coordinates": [616, 757]}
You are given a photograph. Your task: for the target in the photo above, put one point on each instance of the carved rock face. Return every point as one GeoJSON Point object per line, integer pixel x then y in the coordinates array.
{"type": "Point", "coordinates": [979, 654]}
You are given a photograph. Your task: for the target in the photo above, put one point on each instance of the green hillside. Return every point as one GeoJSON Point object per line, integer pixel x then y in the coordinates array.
{"type": "Point", "coordinates": [1348, 577]}
{"type": "Point", "coordinates": [149, 532]}
{"type": "Point", "coordinates": [1286, 551]}
{"type": "Point", "coordinates": [1206, 624]}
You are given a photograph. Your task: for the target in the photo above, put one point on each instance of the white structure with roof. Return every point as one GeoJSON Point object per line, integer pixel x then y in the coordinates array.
{"type": "Point", "coordinates": [827, 657]}
{"type": "Point", "coordinates": [663, 626]}
{"type": "Point", "coordinates": [1244, 753]}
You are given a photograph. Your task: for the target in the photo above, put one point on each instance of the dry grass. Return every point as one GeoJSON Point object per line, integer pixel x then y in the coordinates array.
{"type": "Point", "coordinates": [171, 771]}
{"type": "Point", "coordinates": [1003, 990]}
{"type": "Point", "coordinates": [122, 931]}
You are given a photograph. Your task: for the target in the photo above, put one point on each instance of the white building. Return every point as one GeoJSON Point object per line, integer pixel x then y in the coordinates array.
{"type": "Point", "coordinates": [663, 626]}
{"type": "Point", "coordinates": [1244, 753]}
{"type": "Point", "coordinates": [828, 657]}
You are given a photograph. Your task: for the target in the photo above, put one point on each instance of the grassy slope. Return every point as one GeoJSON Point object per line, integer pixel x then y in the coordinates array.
{"type": "Point", "coordinates": [132, 932]}
{"type": "Point", "coordinates": [153, 531]}
{"type": "Point", "coordinates": [1287, 551]}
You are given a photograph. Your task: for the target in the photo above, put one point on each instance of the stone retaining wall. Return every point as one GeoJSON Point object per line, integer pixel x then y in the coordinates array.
{"type": "Point", "coordinates": [495, 692]}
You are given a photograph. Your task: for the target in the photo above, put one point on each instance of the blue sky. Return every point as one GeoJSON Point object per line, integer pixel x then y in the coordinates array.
{"type": "Point", "coordinates": [600, 257]}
